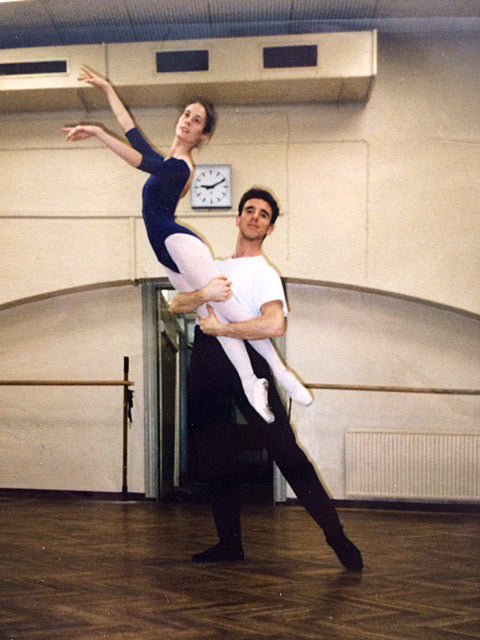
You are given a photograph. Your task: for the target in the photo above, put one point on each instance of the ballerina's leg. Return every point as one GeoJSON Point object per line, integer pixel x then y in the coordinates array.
{"type": "Point", "coordinates": [192, 258]}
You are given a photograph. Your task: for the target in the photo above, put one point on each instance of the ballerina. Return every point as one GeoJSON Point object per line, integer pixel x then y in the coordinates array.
{"type": "Point", "coordinates": [187, 260]}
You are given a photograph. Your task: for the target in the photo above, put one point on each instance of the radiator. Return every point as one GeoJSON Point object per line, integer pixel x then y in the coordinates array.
{"type": "Point", "coordinates": [412, 465]}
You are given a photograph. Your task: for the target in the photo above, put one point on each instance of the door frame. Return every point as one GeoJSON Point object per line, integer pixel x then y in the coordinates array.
{"type": "Point", "coordinates": [152, 404]}
{"type": "Point", "coordinates": [151, 369]}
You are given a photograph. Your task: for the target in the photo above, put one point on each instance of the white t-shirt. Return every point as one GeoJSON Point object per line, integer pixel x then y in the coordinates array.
{"type": "Point", "coordinates": [254, 282]}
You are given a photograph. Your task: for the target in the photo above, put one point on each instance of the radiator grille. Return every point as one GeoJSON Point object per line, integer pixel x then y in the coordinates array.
{"type": "Point", "coordinates": [412, 465]}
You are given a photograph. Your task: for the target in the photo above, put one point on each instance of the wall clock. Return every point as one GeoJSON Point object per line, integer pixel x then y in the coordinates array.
{"type": "Point", "coordinates": [212, 187]}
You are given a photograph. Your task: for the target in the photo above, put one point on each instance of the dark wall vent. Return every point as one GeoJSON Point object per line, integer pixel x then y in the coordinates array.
{"type": "Point", "coordinates": [294, 56]}
{"type": "Point", "coordinates": [30, 68]}
{"type": "Point", "coordinates": [175, 61]}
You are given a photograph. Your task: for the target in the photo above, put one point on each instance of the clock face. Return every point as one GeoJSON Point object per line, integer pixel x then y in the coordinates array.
{"type": "Point", "coordinates": [212, 187]}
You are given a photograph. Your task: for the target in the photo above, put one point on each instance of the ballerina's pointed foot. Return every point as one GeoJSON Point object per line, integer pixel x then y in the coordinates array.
{"type": "Point", "coordinates": [294, 388]}
{"type": "Point", "coordinates": [258, 398]}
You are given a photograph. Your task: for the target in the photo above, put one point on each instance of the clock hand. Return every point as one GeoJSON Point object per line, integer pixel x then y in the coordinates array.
{"type": "Point", "coordinates": [212, 186]}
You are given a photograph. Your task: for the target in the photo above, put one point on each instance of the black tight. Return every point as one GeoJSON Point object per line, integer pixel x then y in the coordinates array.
{"type": "Point", "coordinates": [213, 383]}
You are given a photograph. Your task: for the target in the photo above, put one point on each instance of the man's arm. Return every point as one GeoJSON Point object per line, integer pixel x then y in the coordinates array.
{"type": "Point", "coordinates": [271, 324]}
{"type": "Point", "coordinates": [217, 290]}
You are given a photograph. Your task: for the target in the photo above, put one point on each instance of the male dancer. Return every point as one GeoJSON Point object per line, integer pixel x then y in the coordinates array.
{"type": "Point", "coordinates": [214, 384]}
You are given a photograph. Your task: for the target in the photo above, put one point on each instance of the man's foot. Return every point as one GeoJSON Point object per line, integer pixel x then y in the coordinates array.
{"type": "Point", "coordinates": [347, 552]}
{"type": "Point", "coordinates": [258, 397]}
{"type": "Point", "coordinates": [219, 553]}
{"type": "Point", "coordinates": [294, 388]}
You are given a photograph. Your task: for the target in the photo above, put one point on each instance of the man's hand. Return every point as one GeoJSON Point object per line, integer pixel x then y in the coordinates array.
{"type": "Point", "coordinates": [271, 324]}
{"type": "Point", "coordinates": [211, 324]}
{"type": "Point", "coordinates": [218, 289]}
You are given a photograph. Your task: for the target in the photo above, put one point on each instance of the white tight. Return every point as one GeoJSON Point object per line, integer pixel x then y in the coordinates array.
{"type": "Point", "coordinates": [197, 268]}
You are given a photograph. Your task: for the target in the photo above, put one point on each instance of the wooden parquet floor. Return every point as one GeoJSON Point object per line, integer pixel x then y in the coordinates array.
{"type": "Point", "coordinates": [85, 570]}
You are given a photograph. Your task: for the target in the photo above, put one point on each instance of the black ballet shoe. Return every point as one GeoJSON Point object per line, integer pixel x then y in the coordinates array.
{"type": "Point", "coordinates": [346, 552]}
{"type": "Point", "coordinates": [219, 553]}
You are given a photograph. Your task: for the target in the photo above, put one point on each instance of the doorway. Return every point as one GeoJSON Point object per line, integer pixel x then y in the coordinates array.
{"type": "Point", "coordinates": [169, 473]}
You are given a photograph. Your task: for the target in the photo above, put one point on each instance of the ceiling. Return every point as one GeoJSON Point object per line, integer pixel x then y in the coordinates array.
{"type": "Point", "coordinates": [34, 23]}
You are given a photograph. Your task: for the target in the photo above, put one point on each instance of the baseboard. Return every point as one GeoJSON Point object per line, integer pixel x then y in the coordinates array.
{"type": "Point", "coordinates": [402, 505]}
{"type": "Point", "coordinates": [70, 495]}
{"type": "Point", "coordinates": [388, 505]}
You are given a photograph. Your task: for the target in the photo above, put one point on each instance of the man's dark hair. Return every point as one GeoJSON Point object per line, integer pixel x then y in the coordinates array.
{"type": "Point", "coordinates": [261, 194]}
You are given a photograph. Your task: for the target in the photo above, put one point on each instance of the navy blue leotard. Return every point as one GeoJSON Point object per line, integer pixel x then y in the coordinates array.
{"type": "Point", "coordinates": [160, 195]}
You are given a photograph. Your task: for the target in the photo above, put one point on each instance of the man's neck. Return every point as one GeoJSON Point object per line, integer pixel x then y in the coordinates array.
{"type": "Point", "coordinates": [246, 249]}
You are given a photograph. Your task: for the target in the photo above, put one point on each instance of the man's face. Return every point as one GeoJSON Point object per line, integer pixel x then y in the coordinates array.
{"type": "Point", "coordinates": [254, 220]}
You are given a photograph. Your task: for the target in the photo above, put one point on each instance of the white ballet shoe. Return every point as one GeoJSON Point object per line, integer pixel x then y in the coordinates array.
{"type": "Point", "coordinates": [294, 388]}
{"type": "Point", "coordinates": [258, 398]}
{"type": "Point", "coordinates": [302, 395]}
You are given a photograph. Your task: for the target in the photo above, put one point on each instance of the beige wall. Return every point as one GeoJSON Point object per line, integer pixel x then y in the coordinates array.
{"type": "Point", "coordinates": [383, 195]}
{"type": "Point", "coordinates": [340, 336]}
{"type": "Point", "coordinates": [70, 438]}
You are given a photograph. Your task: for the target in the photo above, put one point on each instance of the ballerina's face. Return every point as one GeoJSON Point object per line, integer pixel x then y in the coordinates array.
{"type": "Point", "coordinates": [191, 124]}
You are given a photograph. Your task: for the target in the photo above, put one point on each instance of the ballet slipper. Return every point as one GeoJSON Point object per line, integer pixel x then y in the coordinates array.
{"type": "Point", "coordinates": [348, 554]}
{"type": "Point", "coordinates": [219, 553]}
{"type": "Point", "coordinates": [294, 388]}
{"type": "Point", "coordinates": [257, 395]}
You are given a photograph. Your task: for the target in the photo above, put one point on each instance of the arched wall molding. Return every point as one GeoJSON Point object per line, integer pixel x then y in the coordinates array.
{"type": "Point", "coordinates": [164, 282]}
{"type": "Point", "coordinates": [384, 293]}
{"type": "Point", "coordinates": [64, 292]}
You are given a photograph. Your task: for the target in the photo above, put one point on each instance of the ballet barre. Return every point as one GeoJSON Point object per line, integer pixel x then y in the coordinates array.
{"type": "Point", "coordinates": [67, 383]}
{"type": "Point", "coordinates": [127, 403]}
{"type": "Point", "coordinates": [386, 389]}
{"type": "Point", "coordinates": [394, 389]}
